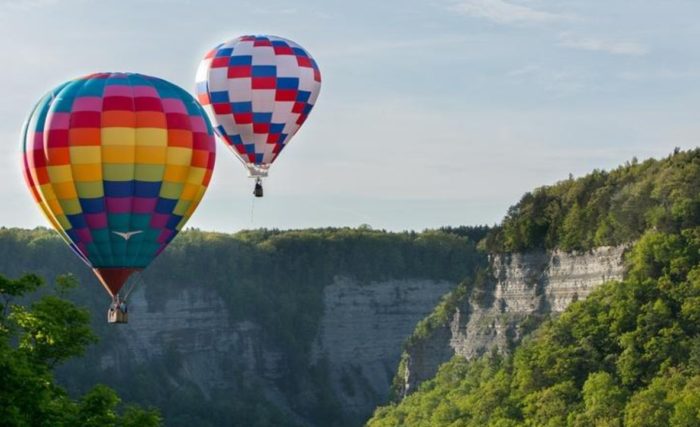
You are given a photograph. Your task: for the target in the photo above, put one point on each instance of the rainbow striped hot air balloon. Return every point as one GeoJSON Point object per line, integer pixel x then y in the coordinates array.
{"type": "Point", "coordinates": [118, 162]}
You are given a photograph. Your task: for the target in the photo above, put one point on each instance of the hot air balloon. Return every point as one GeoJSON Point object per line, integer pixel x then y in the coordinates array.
{"type": "Point", "coordinates": [258, 91]}
{"type": "Point", "coordinates": [118, 162]}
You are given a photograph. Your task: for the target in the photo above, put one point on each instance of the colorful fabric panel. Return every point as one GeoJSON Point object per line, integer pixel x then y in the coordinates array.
{"type": "Point", "coordinates": [118, 163]}
{"type": "Point", "coordinates": [258, 91]}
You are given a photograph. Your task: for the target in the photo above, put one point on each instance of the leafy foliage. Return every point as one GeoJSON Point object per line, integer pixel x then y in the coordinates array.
{"type": "Point", "coordinates": [605, 208]}
{"type": "Point", "coordinates": [34, 338]}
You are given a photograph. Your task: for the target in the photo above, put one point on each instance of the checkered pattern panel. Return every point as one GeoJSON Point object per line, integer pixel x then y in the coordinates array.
{"type": "Point", "coordinates": [118, 163]}
{"type": "Point", "coordinates": [258, 91]}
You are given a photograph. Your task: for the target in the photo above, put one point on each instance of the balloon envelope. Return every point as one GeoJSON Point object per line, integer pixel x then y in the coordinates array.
{"type": "Point", "coordinates": [258, 91]}
{"type": "Point", "coordinates": [118, 162]}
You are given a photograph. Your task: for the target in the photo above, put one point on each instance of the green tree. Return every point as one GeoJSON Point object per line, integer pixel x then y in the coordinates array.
{"type": "Point", "coordinates": [34, 338]}
{"type": "Point", "coordinates": [604, 402]}
{"type": "Point", "coordinates": [648, 408]}
{"type": "Point", "coordinates": [687, 405]}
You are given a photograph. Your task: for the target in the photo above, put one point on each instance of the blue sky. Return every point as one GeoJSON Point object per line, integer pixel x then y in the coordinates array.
{"type": "Point", "coordinates": [436, 112]}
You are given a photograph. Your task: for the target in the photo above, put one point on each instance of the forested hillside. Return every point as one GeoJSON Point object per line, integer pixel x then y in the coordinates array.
{"type": "Point", "coordinates": [627, 355]}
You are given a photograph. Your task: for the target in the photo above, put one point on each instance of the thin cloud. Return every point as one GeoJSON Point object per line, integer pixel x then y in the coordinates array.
{"type": "Point", "coordinates": [613, 47]}
{"type": "Point", "coordinates": [505, 12]}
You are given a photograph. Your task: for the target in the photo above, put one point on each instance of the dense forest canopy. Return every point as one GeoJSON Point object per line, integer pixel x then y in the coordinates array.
{"type": "Point", "coordinates": [605, 208]}
{"type": "Point", "coordinates": [627, 355]}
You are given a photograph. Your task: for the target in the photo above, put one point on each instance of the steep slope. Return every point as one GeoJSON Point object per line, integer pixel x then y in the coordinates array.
{"type": "Point", "coordinates": [522, 290]}
{"type": "Point", "coordinates": [628, 354]}
{"type": "Point", "coordinates": [361, 330]}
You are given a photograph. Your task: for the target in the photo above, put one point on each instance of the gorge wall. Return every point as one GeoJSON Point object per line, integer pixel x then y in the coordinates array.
{"type": "Point", "coordinates": [264, 327]}
{"type": "Point", "coordinates": [361, 333]}
{"type": "Point", "coordinates": [524, 289]}
{"type": "Point", "coordinates": [358, 345]}
{"type": "Point", "coordinates": [304, 330]}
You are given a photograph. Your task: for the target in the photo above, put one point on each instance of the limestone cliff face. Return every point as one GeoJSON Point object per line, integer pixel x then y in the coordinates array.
{"type": "Point", "coordinates": [194, 323]}
{"type": "Point", "coordinates": [214, 353]}
{"type": "Point", "coordinates": [358, 342]}
{"type": "Point", "coordinates": [525, 289]}
{"type": "Point", "coordinates": [361, 333]}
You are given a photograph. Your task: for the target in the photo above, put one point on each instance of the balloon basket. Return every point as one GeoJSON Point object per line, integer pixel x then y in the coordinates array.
{"type": "Point", "coordinates": [116, 316]}
{"type": "Point", "coordinates": [117, 313]}
{"type": "Point", "coordinates": [258, 191]}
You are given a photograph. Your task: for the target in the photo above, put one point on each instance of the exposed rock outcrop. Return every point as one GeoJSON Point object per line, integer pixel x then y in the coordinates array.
{"type": "Point", "coordinates": [524, 290]}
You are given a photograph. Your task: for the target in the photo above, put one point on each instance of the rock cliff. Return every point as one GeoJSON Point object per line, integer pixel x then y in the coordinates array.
{"type": "Point", "coordinates": [358, 344]}
{"type": "Point", "coordinates": [200, 348]}
{"type": "Point", "coordinates": [264, 327]}
{"type": "Point", "coordinates": [361, 333]}
{"type": "Point", "coordinates": [524, 289]}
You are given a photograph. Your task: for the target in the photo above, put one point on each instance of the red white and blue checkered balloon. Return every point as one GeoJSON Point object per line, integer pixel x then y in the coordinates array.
{"type": "Point", "coordinates": [258, 91]}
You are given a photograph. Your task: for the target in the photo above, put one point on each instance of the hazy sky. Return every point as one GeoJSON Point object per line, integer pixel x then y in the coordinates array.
{"type": "Point", "coordinates": [431, 112]}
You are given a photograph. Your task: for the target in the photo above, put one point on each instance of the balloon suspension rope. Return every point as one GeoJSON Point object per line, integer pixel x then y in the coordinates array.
{"type": "Point", "coordinates": [132, 286]}
{"type": "Point", "coordinates": [252, 209]}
